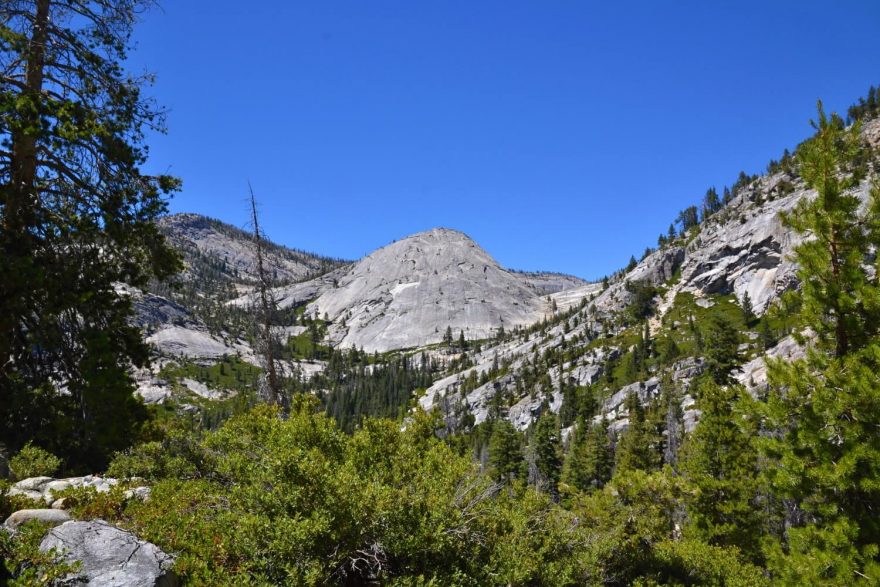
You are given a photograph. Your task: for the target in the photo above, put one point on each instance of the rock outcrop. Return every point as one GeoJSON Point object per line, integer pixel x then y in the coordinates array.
{"type": "Point", "coordinates": [233, 252]}
{"type": "Point", "coordinates": [51, 517]}
{"type": "Point", "coordinates": [408, 293]}
{"type": "Point", "coordinates": [44, 488]}
{"type": "Point", "coordinates": [109, 556]}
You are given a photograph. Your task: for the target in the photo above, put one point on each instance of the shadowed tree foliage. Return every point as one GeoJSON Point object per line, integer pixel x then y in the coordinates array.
{"type": "Point", "coordinates": [75, 220]}
{"type": "Point", "coordinates": [720, 464]}
{"type": "Point", "coordinates": [590, 461]}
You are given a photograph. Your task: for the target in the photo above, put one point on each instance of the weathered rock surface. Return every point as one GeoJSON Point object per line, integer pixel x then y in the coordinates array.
{"type": "Point", "coordinates": [44, 488]}
{"type": "Point", "coordinates": [753, 374]}
{"type": "Point", "coordinates": [110, 556]}
{"type": "Point", "coordinates": [46, 516]}
{"type": "Point", "coordinates": [407, 293]}
{"type": "Point", "coordinates": [192, 343]}
{"type": "Point", "coordinates": [545, 282]}
{"type": "Point", "coordinates": [232, 249]}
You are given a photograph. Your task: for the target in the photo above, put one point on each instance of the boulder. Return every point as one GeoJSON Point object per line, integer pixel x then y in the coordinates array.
{"type": "Point", "coordinates": [110, 556]}
{"type": "Point", "coordinates": [139, 493]}
{"type": "Point", "coordinates": [46, 516]}
{"type": "Point", "coordinates": [33, 483]}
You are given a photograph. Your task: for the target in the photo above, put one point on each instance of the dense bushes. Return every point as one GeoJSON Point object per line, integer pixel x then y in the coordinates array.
{"type": "Point", "coordinates": [272, 500]}
{"type": "Point", "coordinates": [32, 461]}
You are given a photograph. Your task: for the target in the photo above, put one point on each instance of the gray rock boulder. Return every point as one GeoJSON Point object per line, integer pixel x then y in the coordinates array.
{"type": "Point", "coordinates": [111, 557]}
{"type": "Point", "coordinates": [46, 516]}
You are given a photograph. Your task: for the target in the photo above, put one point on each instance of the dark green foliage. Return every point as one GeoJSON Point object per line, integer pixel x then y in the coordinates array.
{"type": "Point", "coordinates": [547, 449]}
{"type": "Point", "coordinates": [711, 203]}
{"type": "Point", "coordinates": [76, 218]}
{"type": "Point", "coordinates": [590, 460]}
{"type": "Point", "coordinates": [840, 301]}
{"type": "Point", "coordinates": [823, 412]}
{"type": "Point", "coordinates": [720, 464]}
{"type": "Point", "coordinates": [721, 347]}
{"type": "Point", "coordinates": [667, 350]}
{"type": "Point", "coordinates": [867, 107]}
{"type": "Point", "coordinates": [747, 309]}
{"type": "Point", "coordinates": [505, 452]}
{"type": "Point", "coordinates": [356, 385]}
{"type": "Point", "coordinates": [632, 264]}
{"type": "Point", "coordinates": [688, 218]}
{"type": "Point", "coordinates": [639, 446]}
{"type": "Point", "coordinates": [642, 304]}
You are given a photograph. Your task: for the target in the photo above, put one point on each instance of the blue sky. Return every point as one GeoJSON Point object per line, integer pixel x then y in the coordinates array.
{"type": "Point", "coordinates": [561, 135]}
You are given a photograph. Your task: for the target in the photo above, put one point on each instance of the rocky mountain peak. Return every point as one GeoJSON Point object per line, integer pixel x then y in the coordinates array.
{"type": "Point", "coordinates": [409, 292]}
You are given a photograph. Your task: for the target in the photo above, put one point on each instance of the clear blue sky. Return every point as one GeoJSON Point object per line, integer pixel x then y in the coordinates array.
{"type": "Point", "coordinates": [561, 135]}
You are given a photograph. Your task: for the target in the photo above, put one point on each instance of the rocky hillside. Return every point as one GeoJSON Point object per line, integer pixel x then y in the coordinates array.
{"type": "Point", "coordinates": [540, 333]}
{"type": "Point", "coordinates": [407, 294]}
{"type": "Point", "coordinates": [201, 239]}
{"type": "Point", "coordinates": [740, 253]}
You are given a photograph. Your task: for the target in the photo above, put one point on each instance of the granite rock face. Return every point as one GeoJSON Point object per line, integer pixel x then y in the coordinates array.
{"type": "Point", "coordinates": [111, 557]}
{"type": "Point", "coordinates": [408, 293]}
{"type": "Point", "coordinates": [233, 249]}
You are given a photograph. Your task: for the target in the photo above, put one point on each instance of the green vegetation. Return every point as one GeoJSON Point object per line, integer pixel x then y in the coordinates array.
{"type": "Point", "coordinates": [823, 412]}
{"type": "Point", "coordinates": [76, 218]}
{"type": "Point", "coordinates": [32, 461]}
{"type": "Point", "coordinates": [355, 385]}
{"type": "Point", "coordinates": [400, 507]}
{"type": "Point", "coordinates": [350, 483]}
{"type": "Point", "coordinates": [229, 373]}
{"type": "Point", "coordinates": [22, 564]}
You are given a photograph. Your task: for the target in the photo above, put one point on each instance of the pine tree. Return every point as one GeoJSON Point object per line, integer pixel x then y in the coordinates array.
{"type": "Point", "coordinates": [823, 411]}
{"type": "Point", "coordinates": [547, 449]}
{"type": "Point", "coordinates": [637, 447]}
{"type": "Point", "coordinates": [590, 462]}
{"type": "Point", "coordinates": [711, 203]}
{"type": "Point", "coordinates": [747, 309]}
{"type": "Point", "coordinates": [688, 218]}
{"type": "Point", "coordinates": [720, 464]}
{"type": "Point", "coordinates": [721, 347]}
{"type": "Point", "coordinates": [766, 335]}
{"type": "Point", "coordinates": [505, 452]}
{"type": "Point", "coordinates": [840, 301]}
{"type": "Point", "coordinates": [632, 264]}
{"type": "Point", "coordinates": [76, 218]}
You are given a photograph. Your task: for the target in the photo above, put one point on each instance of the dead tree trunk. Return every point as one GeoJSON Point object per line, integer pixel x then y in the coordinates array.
{"type": "Point", "coordinates": [272, 388]}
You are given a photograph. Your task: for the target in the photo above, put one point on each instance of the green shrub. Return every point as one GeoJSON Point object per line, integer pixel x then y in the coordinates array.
{"type": "Point", "coordinates": [22, 564]}
{"type": "Point", "coordinates": [87, 503]}
{"type": "Point", "coordinates": [33, 461]}
{"type": "Point", "coordinates": [13, 503]}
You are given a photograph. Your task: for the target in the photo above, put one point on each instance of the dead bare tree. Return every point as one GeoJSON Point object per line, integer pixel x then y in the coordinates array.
{"type": "Point", "coordinates": [271, 388]}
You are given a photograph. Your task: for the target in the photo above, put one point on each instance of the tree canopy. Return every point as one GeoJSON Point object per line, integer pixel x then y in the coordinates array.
{"type": "Point", "coordinates": [76, 217]}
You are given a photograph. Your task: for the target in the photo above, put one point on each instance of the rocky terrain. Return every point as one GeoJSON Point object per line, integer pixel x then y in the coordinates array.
{"type": "Point", "coordinates": [744, 250]}
{"type": "Point", "coordinates": [232, 250]}
{"type": "Point", "coordinates": [406, 295]}
{"type": "Point", "coordinates": [106, 555]}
